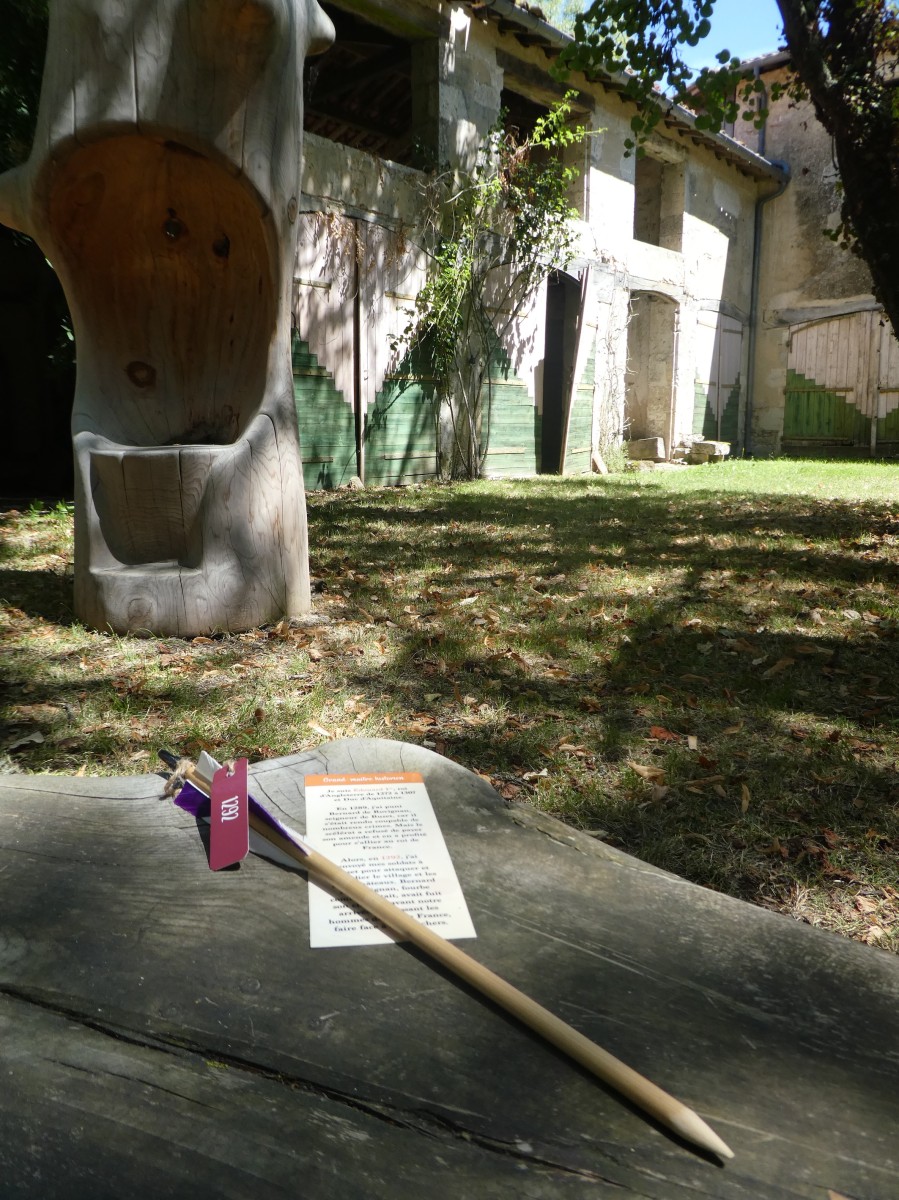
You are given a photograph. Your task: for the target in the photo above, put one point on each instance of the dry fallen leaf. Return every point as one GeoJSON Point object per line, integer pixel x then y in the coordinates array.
{"type": "Point", "coordinates": [733, 728]}
{"type": "Point", "coordinates": [780, 665]}
{"type": "Point", "coordinates": [38, 712]}
{"type": "Point", "coordinates": [27, 739]}
{"type": "Point", "coordinates": [661, 734]}
{"type": "Point", "coordinates": [744, 797]}
{"type": "Point", "coordinates": [655, 774]}
{"type": "Point", "coordinates": [692, 741]}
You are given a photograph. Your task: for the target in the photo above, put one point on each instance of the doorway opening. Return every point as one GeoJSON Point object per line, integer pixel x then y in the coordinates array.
{"type": "Point", "coordinates": [563, 301]}
{"type": "Point", "coordinates": [651, 367]}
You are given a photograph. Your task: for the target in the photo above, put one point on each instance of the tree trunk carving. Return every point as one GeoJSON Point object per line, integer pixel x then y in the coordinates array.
{"type": "Point", "coordinates": [163, 185]}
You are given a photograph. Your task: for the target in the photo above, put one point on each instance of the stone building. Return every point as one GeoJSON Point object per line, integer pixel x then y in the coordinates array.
{"type": "Point", "coordinates": [648, 332]}
{"type": "Point", "coordinates": [825, 376]}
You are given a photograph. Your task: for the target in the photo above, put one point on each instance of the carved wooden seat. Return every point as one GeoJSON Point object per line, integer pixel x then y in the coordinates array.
{"type": "Point", "coordinates": [166, 1030]}
{"type": "Point", "coordinates": [163, 186]}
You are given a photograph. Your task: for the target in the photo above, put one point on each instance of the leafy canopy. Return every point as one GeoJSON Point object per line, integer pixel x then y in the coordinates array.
{"type": "Point", "coordinates": [22, 45]}
{"type": "Point", "coordinates": [644, 42]}
{"type": "Point", "coordinates": [844, 57]}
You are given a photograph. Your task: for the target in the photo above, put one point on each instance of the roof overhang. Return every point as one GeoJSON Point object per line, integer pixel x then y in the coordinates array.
{"type": "Point", "coordinates": [531, 30]}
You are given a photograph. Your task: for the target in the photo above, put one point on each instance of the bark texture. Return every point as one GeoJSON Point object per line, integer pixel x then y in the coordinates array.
{"type": "Point", "coordinates": [846, 54]}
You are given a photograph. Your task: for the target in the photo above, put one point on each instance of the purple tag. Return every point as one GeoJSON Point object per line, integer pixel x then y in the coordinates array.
{"type": "Point", "coordinates": [229, 827]}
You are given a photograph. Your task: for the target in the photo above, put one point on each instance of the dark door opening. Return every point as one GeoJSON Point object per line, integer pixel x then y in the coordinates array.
{"type": "Point", "coordinates": [563, 298]}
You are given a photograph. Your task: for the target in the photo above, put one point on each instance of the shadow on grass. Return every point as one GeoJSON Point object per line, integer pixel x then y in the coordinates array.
{"type": "Point", "coordinates": [551, 632]}
{"type": "Point", "coordinates": [721, 618]}
{"type": "Point", "coordinates": [44, 594]}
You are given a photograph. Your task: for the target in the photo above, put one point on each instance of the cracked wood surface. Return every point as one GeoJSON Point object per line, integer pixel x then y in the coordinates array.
{"type": "Point", "coordinates": [167, 1028]}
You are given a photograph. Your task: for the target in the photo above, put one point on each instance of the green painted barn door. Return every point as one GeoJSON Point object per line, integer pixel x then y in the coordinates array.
{"type": "Point", "coordinates": [324, 357]}
{"type": "Point", "coordinates": [397, 391]}
{"type": "Point", "coordinates": [579, 440]}
{"type": "Point", "coordinates": [716, 413]}
{"type": "Point", "coordinates": [401, 425]}
{"type": "Point", "coordinates": [510, 424]}
{"type": "Point", "coordinates": [888, 390]}
{"type": "Point", "coordinates": [830, 396]}
{"type": "Point", "coordinates": [361, 410]}
{"type": "Point", "coordinates": [326, 422]}
{"type": "Point", "coordinates": [577, 456]}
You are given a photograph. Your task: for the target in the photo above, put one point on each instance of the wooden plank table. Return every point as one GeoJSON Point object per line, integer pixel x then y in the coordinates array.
{"type": "Point", "coordinates": [166, 1031]}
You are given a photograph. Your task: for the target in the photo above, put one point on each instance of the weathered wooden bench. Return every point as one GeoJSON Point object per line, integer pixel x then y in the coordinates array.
{"type": "Point", "coordinates": [166, 1031]}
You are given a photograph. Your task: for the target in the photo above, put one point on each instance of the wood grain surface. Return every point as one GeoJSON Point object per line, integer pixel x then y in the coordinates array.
{"type": "Point", "coordinates": [165, 1030]}
{"type": "Point", "coordinates": [163, 184]}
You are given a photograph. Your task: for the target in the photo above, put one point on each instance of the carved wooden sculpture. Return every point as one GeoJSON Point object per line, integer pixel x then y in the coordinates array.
{"type": "Point", "coordinates": [163, 186]}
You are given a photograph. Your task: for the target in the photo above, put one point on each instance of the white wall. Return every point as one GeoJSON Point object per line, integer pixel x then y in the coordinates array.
{"type": "Point", "coordinates": [707, 212]}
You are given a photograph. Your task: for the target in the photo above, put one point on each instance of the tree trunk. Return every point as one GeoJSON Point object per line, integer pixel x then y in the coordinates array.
{"type": "Point", "coordinates": [163, 186]}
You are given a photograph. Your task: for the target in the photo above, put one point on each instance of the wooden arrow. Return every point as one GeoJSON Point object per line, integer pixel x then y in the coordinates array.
{"type": "Point", "coordinates": [635, 1087]}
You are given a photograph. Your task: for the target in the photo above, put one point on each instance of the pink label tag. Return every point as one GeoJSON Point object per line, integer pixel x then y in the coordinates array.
{"type": "Point", "coordinates": [229, 816]}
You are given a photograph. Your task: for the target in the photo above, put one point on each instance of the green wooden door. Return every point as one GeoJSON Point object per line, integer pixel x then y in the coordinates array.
{"type": "Point", "coordinates": [325, 420]}
{"type": "Point", "coordinates": [716, 413]}
{"type": "Point", "coordinates": [579, 443]}
{"type": "Point", "coordinates": [830, 396]}
{"type": "Point", "coordinates": [888, 391]}
{"type": "Point", "coordinates": [400, 437]}
{"type": "Point", "coordinates": [510, 423]}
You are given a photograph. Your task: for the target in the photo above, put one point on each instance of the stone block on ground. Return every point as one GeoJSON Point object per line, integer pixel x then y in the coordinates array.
{"type": "Point", "coordinates": [711, 451]}
{"type": "Point", "coordinates": [650, 449]}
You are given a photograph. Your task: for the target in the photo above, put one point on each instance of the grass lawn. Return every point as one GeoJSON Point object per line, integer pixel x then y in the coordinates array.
{"type": "Point", "coordinates": [696, 665]}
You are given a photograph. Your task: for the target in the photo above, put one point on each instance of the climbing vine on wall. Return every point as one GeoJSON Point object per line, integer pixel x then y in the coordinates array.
{"type": "Point", "coordinates": [491, 235]}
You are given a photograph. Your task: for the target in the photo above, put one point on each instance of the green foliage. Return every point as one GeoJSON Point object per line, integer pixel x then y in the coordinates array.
{"type": "Point", "coordinates": [643, 41]}
{"type": "Point", "coordinates": [23, 42]}
{"type": "Point", "coordinates": [22, 47]}
{"type": "Point", "coordinates": [844, 55]}
{"type": "Point", "coordinates": [561, 14]}
{"type": "Point", "coordinates": [492, 235]}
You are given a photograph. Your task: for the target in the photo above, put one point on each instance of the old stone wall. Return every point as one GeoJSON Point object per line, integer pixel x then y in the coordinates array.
{"type": "Point", "coordinates": [668, 239]}
{"type": "Point", "coordinates": [803, 275]}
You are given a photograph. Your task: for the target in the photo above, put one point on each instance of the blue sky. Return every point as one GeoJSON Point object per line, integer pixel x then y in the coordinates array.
{"type": "Point", "coordinates": [746, 28]}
